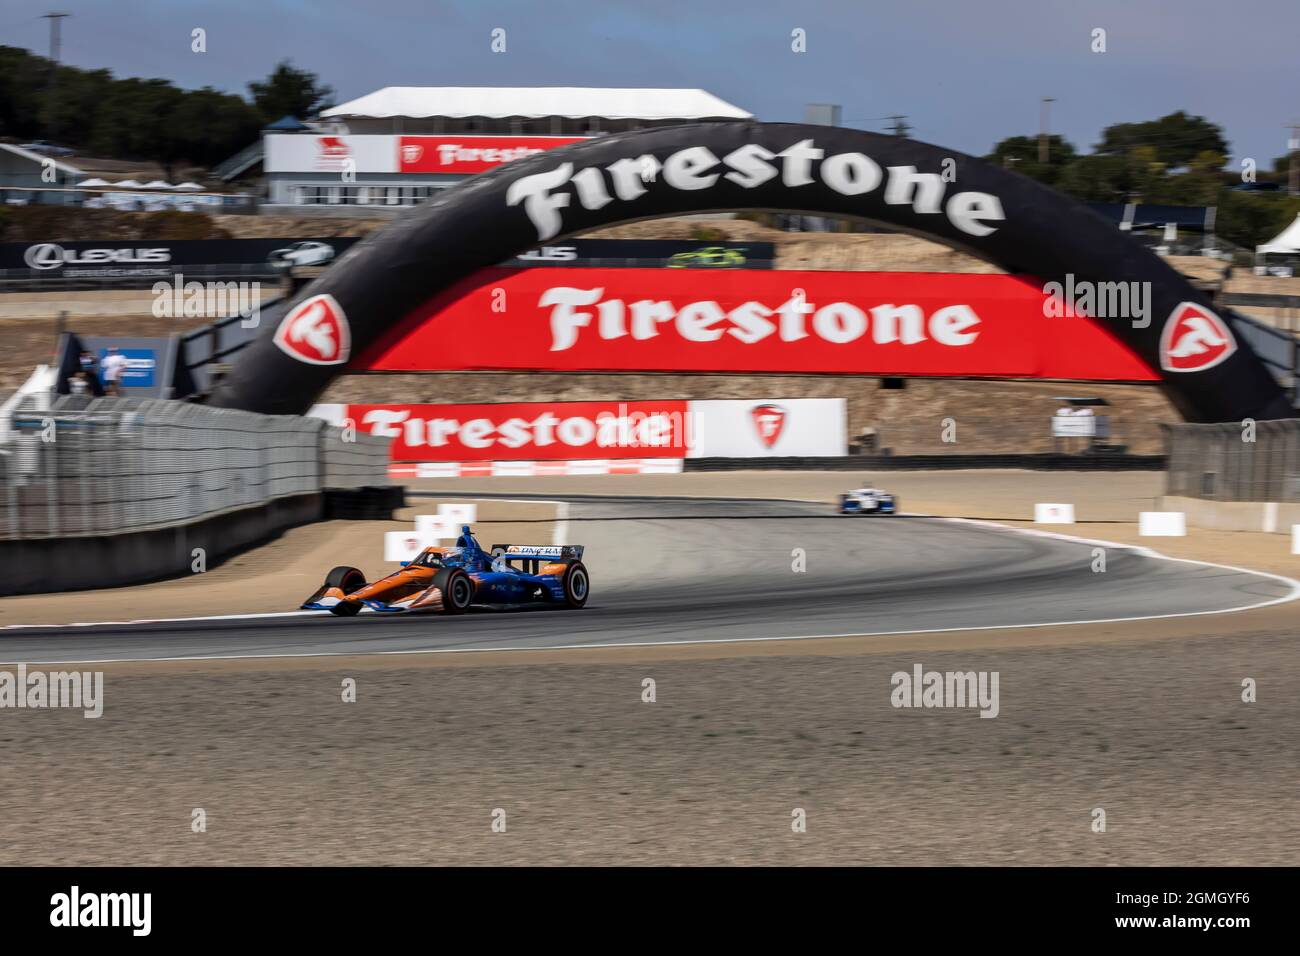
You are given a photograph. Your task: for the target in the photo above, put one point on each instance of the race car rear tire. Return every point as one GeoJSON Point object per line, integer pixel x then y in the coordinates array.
{"type": "Point", "coordinates": [457, 590]}
{"type": "Point", "coordinates": [577, 584]}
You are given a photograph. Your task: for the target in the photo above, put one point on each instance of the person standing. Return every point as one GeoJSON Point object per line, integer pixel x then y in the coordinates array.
{"type": "Point", "coordinates": [113, 365]}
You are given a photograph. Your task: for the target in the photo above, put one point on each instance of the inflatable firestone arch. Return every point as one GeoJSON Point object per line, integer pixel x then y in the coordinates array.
{"type": "Point", "coordinates": [1209, 372]}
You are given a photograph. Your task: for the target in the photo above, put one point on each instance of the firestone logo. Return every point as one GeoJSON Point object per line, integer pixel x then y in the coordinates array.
{"type": "Point", "coordinates": [769, 422]}
{"type": "Point", "coordinates": [1194, 339]}
{"type": "Point", "coordinates": [449, 154]}
{"type": "Point", "coordinates": [316, 332]}
{"type": "Point", "coordinates": [698, 168]}
{"type": "Point", "coordinates": [838, 323]}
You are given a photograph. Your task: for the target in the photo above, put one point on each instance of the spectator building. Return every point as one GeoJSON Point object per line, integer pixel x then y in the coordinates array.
{"type": "Point", "coordinates": [397, 146]}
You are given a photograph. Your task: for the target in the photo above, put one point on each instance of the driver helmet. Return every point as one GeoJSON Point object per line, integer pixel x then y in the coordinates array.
{"type": "Point", "coordinates": [453, 557]}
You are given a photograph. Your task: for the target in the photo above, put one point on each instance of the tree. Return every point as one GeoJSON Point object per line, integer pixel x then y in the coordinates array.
{"type": "Point", "coordinates": [1177, 138]}
{"type": "Point", "coordinates": [1021, 154]}
{"type": "Point", "coordinates": [1098, 179]}
{"type": "Point", "coordinates": [289, 91]}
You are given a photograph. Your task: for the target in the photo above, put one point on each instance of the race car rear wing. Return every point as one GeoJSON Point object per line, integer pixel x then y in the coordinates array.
{"type": "Point", "coordinates": [555, 551]}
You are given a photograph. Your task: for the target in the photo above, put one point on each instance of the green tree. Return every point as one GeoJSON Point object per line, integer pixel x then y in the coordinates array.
{"type": "Point", "coordinates": [1176, 138]}
{"type": "Point", "coordinates": [1021, 154]}
{"type": "Point", "coordinates": [289, 91]}
{"type": "Point", "coordinates": [1096, 178]}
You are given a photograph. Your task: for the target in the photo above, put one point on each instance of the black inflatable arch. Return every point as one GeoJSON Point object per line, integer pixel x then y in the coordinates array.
{"type": "Point", "coordinates": [1014, 222]}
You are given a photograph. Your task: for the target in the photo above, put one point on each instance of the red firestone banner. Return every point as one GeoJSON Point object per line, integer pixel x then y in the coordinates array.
{"type": "Point", "coordinates": [523, 431]}
{"type": "Point", "coordinates": [470, 154]}
{"type": "Point", "coordinates": [865, 323]}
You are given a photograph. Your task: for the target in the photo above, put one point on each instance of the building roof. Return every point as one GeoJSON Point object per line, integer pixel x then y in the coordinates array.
{"type": "Point", "coordinates": [288, 124]}
{"type": "Point", "coordinates": [40, 160]}
{"type": "Point", "coordinates": [536, 102]}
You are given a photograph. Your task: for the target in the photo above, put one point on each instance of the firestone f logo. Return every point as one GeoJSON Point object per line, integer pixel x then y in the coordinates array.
{"type": "Point", "coordinates": [769, 422]}
{"type": "Point", "coordinates": [1194, 339]}
{"type": "Point", "coordinates": [316, 332]}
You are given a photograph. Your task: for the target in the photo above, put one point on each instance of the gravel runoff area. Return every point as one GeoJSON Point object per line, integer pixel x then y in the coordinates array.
{"type": "Point", "coordinates": [1144, 722]}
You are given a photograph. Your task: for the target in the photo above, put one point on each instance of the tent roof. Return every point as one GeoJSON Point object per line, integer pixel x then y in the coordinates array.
{"type": "Point", "coordinates": [571, 102]}
{"type": "Point", "coordinates": [289, 123]}
{"type": "Point", "coordinates": [1288, 240]}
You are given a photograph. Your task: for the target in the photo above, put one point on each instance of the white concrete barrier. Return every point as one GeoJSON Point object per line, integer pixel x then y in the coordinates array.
{"type": "Point", "coordinates": [433, 528]}
{"type": "Point", "coordinates": [1162, 524]}
{"type": "Point", "coordinates": [1295, 539]}
{"type": "Point", "coordinates": [403, 545]}
{"type": "Point", "coordinates": [1054, 513]}
{"type": "Point", "coordinates": [458, 515]}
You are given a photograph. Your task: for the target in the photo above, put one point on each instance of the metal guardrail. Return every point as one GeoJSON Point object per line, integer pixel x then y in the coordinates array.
{"type": "Point", "coordinates": [108, 465]}
{"type": "Point", "coordinates": [29, 280]}
{"type": "Point", "coordinates": [1232, 462]}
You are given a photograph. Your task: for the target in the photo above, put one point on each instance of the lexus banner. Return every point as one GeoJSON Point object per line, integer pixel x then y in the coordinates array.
{"type": "Point", "coordinates": [538, 431]}
{"type": "Point", "coordinates": [926, 324]}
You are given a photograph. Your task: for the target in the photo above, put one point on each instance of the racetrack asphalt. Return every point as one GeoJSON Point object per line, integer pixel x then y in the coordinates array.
{"type": "Point", "coordinates": [685, 570]}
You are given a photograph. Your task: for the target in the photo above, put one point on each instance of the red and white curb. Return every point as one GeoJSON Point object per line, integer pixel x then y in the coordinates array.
{"type": "Point", "coordinates": [531, 469]}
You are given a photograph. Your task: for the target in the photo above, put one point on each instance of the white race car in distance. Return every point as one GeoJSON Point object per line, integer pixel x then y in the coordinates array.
{"type": "Point", "coordinates": [868, 501]}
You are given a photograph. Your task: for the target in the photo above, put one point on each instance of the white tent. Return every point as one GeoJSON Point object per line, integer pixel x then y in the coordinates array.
{"type": "Point", "coordinates": [127, 184]}
{"type": "Point", "coordinates": [1287, 242]}
{"type": "Point", "coordinates": [190, 186]}
{"type": "Point", "coordinates": [534, 102]}
{"type": "Point", "coordinates": [92, 183]}
{"type": "Point", "coordinates": [158, 184]}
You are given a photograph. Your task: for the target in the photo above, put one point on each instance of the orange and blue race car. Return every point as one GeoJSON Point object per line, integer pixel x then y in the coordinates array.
{"type": "Point", "coordinates": [451, 580]}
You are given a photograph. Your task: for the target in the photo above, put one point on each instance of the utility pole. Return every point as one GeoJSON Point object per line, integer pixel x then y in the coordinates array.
{"type": "Point", "coordinates": [1042, 129]}
{"type": "Point", "coordinates": [900, 128]}
{"type": "Point", "coordinates": [1293, 145]}
{"type": "Point", "coordinates": [54, 19]}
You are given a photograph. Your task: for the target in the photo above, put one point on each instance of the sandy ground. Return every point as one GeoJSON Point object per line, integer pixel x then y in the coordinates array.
{"type": "Point", "coordinates": [1146, 723]}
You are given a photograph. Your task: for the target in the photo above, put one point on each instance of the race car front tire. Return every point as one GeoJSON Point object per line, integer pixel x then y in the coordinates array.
{"type": "Point", "coordinates": [457, 590]}
{"type": "Point", "coordinates": [347, 580]}
{"type": "Point", "coordinates": [577, 585]}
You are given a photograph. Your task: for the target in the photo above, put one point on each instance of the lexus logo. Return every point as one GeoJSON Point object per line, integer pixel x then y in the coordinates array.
{"type": "Point", "coordinates": [50, 255]}
{"type": "Point", "coordinates": [45, 255]}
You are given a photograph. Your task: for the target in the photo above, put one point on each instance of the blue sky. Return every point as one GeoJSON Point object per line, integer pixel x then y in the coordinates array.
{"type": "Point", "coordinates": [967, 73]}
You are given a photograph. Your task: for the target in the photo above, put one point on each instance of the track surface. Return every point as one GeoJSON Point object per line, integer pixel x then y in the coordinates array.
{"type": "Point", "coordinates": [683, 570]}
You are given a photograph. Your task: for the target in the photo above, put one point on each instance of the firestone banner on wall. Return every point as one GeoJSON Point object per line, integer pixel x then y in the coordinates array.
{"type": "Point", "coordinates": [540, 431]}
{"type": "Point", "coordinates": [793, 427]}
{"type": "Point", "coordinates": [372, 153]}
{"type": "Point", "coordinates": [868, 323]}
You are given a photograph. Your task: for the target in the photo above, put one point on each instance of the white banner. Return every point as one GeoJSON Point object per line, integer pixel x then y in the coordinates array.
{"type": "Point", "coordinates": [305, 153]}
{"type": "Point", "coordinates": [769, 428]}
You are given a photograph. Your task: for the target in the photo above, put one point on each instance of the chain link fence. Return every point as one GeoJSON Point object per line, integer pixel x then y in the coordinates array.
{"type": "Point", "coordinates": [1236, 461]}
{"type": "Point", "coordinates": [108, 465]}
